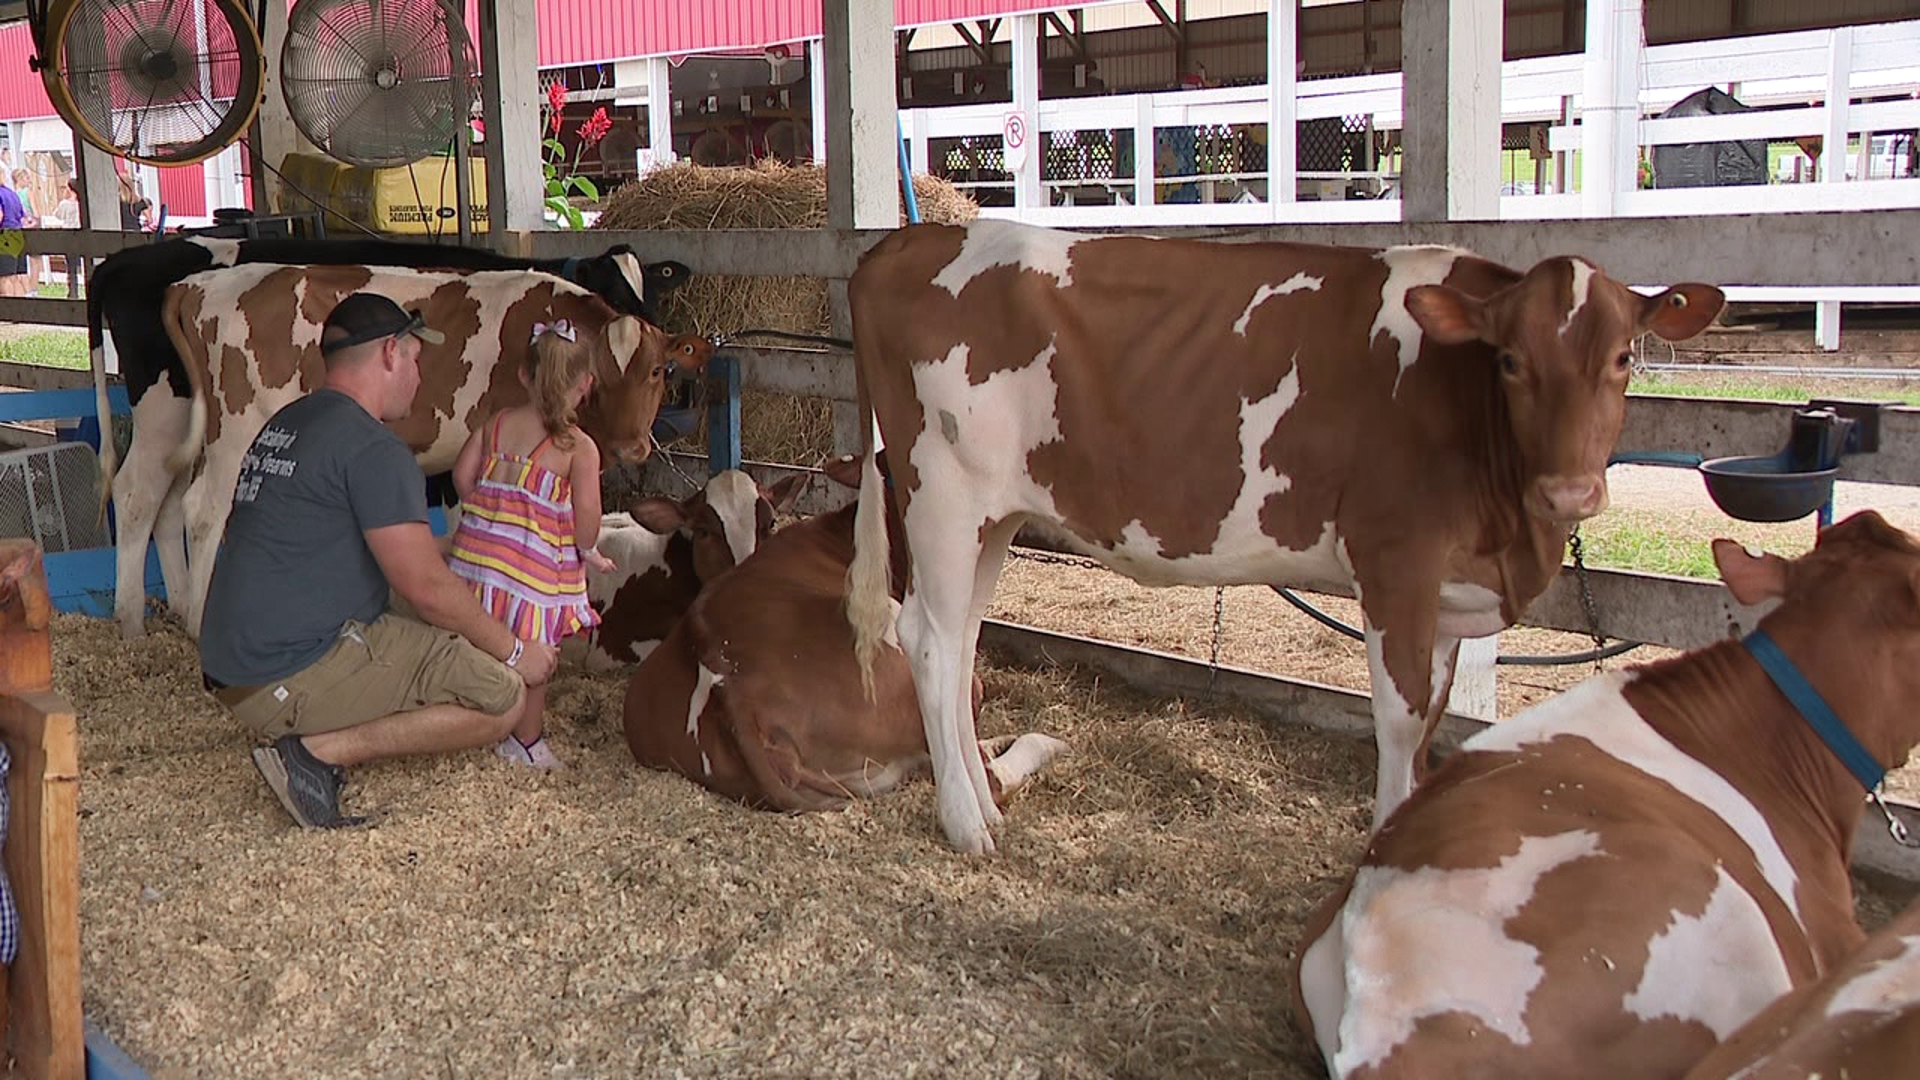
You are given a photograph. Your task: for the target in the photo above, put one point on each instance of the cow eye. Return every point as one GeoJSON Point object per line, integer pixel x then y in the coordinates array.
{"type": "Point", "coordinates": [1623, 362]}
{"type": "Point", "coordinates": [1509, 363]}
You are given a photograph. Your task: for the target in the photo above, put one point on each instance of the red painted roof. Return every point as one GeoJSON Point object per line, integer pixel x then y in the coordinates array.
{"type": "Point", "coordinates": [589, 31]}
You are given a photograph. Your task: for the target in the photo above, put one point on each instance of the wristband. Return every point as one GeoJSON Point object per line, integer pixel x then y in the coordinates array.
{"type": "Point", "coordinates": [518, 647]}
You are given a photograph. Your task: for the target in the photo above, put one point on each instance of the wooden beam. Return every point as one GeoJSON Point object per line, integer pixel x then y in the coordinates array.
{"type": "Point", "coordinates": [1174, 29]}
{"type": "Point", "coordinates": [979, 48]}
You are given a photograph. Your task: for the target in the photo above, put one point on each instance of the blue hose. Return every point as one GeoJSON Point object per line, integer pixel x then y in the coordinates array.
{"type": "Point", "coordinates": [906, 174]}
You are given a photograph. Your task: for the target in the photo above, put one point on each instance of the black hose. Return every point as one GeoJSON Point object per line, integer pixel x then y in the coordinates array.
{"type": "Point", "coordinates": [812, 339]}
{"type": "Point", "coordinates": [1589, 656]}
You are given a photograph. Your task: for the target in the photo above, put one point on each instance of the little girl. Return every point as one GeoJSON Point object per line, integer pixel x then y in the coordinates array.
{"type": "Point", "coordinates": [529, 485]}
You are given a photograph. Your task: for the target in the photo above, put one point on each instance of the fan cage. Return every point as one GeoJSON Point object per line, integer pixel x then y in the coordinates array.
{"type": "Point", "coordinates": [373, 84]}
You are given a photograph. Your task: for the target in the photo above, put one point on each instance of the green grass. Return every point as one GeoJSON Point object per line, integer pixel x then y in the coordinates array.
{"type": "Point", "coordinates": [1770, 391]}
{"type": "Point", "coordinates": [46, 349]}
{"type": "Point", "coordinates": [1681, 544]}
{"type": "Point", "coordinates": [1627, 546]}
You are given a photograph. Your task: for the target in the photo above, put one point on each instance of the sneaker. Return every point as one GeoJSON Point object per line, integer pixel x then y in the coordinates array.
{"type": "Point", "coordinates": [534, 755]}
{"type": "Point", "coordinates": [308, 787]}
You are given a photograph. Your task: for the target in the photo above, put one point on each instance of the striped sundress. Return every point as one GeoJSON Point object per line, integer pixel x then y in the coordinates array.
{"type": "Point", "coordinates": [515, 545]}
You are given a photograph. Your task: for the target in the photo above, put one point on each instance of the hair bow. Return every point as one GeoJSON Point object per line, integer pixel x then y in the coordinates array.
{"type": "Point", "coordinates": [559, 326]}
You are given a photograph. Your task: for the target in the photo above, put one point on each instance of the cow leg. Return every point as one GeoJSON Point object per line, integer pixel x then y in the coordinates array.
{"type": "Point", "coordinates": [1446, 658]}
{"type": "Point", "coordinates": [1399, 667]}
{"type": "Point", "coordinates": [208, 500]}
{"type": "Point", "coordinates": [993, 555]}
{"type": "Point", "coordinates": [170, 542]}
{"type": "Point", "coordinates": [1014, 760]}
{"type": "Point", "coordinates": [932, 625]}
{"type": "Point", "coordinates": [140, 489]}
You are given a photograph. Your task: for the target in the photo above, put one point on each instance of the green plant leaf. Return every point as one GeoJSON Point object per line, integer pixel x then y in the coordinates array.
{"type": "Point", "coordinates": [555, 145]}
{"type": "Point", "coordinates": [587, 188]}
{"type": "Point", "coordinates": [574, 217]}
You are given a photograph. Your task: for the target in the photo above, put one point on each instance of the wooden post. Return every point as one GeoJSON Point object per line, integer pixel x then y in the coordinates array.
{"type": "Point", "coordinates": [1610, 108]}
{"type": "Point", "coordinates": [1833, 159]}
{"type": "Point", "coordinates": [44, 1027]}
{"type": "Point", "coordinates": [862, 121]}
{"type": "Point", "coordinates": [510, 97]}
{"type": "Point", "coordinates": [1283, 104]}
{"type": "Point", "coordinates": [1451, 55]}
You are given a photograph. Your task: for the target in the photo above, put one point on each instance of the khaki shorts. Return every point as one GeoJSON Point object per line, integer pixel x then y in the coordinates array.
{"type": "Point", "coordinates": [392, 665]}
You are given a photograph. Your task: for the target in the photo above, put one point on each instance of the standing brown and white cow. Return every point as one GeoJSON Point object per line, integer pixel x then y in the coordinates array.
{"type": "Point", "coordinates": [1614, 881]}
{"type": "Point", "coordinates": [250, 339]}
{"type": "Point", "coordinates": [756, 695]}
{"type": "Point", "coordinates": [1419, 424]}
{"type": "Point", "coordinates": [1861, 1021]}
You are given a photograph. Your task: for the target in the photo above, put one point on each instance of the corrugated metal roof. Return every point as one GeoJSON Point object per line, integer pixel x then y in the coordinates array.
{"type": "Point", "coordinates": [20, 87]}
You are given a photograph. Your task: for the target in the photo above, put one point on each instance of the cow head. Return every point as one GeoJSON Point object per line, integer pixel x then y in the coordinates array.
{"type": "Point", "coordinates": [1562, 339]}
{"type": "Point", "coordinates": [726, 520]}
{"type": "Point", "coordinates": [619, 412]}
{"type": "Point", "coordinates": [1849, 615]}
{"type": "Point", "coordinates": [629, 285]}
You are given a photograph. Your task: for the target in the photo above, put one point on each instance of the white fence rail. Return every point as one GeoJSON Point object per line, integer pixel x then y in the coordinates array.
{"type": "Point", "coordinates": [1778, 72]}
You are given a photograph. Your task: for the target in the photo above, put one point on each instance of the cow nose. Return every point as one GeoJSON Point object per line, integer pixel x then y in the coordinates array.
{"type": "Point", "coordinates": [1565, 499]}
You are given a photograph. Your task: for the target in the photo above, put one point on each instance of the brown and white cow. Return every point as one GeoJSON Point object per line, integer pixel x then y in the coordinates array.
{"type": "Point", "coordinates": [1861, 1021]}
{"type": "Point", "coordinates": [1613, 882]}
{"type": "Point", "coordinates": [756, 695]}
{"type": "Point", "coordinates": [250, 338]}
{"type": "Point", "coordinates": [662, 552]}
{"type": "Point", "coordinates": [1419, 424]}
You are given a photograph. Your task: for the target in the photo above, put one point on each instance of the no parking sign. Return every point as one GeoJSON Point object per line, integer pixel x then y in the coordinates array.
{"type": "Point", "coordinates": [1014, 139]}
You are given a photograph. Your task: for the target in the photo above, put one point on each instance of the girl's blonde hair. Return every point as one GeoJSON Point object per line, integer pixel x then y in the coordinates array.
{"type": "Point", "coordinates": [553, 365]}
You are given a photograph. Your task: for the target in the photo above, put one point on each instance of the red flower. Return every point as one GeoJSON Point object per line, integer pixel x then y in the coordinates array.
{"type": "Point", "coordinates": [557, 101]}
{"type": "Point", "coordinates": [595, 127]}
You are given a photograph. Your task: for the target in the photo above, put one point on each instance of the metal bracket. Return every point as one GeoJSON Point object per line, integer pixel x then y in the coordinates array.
{"type": "Point", "coordinates": [1864, 437]}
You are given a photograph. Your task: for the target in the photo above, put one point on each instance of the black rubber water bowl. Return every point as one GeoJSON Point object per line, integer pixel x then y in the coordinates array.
{"type": "Point", "coordinates": [1764, 489]}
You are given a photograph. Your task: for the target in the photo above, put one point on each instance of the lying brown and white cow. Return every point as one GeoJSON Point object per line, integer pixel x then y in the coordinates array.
{"type": "Point", "coordinates": [1861, 1021]}
{"type": "Point", "coordinates": [250, 338]}
{"type": "Point", "coordinates": [662, 552]}
{"type": "Point", "coordinates": [1616, 880]}
{"type": "Point", "coordinates": [1420, 424]}
{"type": "Point", "coordinates": [755, 694]}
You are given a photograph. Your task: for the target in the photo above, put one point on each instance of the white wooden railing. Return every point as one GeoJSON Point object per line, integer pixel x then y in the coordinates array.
{"type": "Point", "coordinates": [1778, 70]}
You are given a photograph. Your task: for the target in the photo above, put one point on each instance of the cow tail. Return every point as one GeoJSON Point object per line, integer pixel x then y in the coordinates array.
{"type": "Point", "coordinates": [97, 346]}
{"type": "Point", "coordinates": [182, 457]}
{"type": "Point", "coordinates": [869, 590]}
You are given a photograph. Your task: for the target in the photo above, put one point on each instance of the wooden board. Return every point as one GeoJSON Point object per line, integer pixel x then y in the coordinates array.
{"type": "Point", "coordinates": [43, 838]}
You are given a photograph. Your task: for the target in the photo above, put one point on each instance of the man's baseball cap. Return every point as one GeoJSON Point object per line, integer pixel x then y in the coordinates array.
{"type": "Point", "coordinates": [365, 317]}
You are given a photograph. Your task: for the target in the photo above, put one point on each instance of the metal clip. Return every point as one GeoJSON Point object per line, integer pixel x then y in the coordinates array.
{"type": "Point", "coordinates": [1895, 827]}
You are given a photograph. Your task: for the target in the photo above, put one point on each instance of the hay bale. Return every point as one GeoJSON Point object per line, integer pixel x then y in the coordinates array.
{"type": "Point", "coordinates": [769, 195]}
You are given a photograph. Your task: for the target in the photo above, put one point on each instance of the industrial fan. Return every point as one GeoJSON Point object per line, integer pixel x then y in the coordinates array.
{"type": "Point", "coordinates": [373, 82]}
{"type": "Point", "coordinates": [162, 83]}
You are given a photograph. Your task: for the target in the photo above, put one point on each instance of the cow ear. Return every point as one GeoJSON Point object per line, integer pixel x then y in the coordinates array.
{"type": "Point", "coordinates": [1752, 578]}
{"type": "Point", "coordinates": [844, 471]}
{"type": "Point", "coordinates": [658, 515]}
{"type": "Point", "coordinates": [625, 336]}
{"type": "Point", "coordinates": [1448, 316]}
{"type": "Point", "coordinates": [1682, 311]}
{"type": "Point", "coordinates": [785, 491]}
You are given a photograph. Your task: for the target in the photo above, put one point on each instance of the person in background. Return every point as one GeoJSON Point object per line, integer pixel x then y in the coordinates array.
{"type": "Point", "coordinates": [14, 280]}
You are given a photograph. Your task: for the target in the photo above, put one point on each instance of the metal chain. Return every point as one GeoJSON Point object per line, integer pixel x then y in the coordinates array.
{"type": "Point", "coordinates": [1213, 658]}
{"type": "Point", "coordinates": [1054, 559]}
{"type": "Point", "coordinates": [660, 452]}
{"type": "Point", "coordinates": [1586, 594]}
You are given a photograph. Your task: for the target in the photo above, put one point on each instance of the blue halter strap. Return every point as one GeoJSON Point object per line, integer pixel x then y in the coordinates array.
{"type": "Point", "coordinates": [1819, 715]}
{"type": "Point", "coordinates": [1826, 723]}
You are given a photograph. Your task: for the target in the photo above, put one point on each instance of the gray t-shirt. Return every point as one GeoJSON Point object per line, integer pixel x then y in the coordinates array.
{"type": "Point", "coordinates": [295, 565]}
